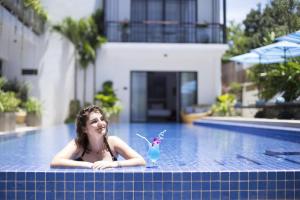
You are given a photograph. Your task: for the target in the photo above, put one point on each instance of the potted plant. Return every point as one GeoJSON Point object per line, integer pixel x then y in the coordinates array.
{"type": "Point", "coordinates": [34, 112]}
{"type": "Point", "coordinates": [8, 106]}
{"type": "Point", "coordinates": [109, 102]}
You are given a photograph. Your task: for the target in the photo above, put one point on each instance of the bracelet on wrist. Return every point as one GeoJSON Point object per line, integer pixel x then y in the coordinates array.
{"type": "Point", "coordinates": [118, 164]}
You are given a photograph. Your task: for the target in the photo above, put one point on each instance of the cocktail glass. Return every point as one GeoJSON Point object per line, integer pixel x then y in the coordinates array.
{"type": "Point", "coordinates": [153, 154]}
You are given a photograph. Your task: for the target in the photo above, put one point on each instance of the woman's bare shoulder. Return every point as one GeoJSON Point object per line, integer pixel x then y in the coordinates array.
{"type": "Point", "coordinates": [73, 145]}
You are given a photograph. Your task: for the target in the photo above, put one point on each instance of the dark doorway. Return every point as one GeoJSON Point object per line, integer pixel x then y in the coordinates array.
{"type": "Point", "coordinates": [160, 96]}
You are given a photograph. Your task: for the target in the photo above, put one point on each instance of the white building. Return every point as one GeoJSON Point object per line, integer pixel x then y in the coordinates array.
{"type": "Point", "coordinates": [162, 56]}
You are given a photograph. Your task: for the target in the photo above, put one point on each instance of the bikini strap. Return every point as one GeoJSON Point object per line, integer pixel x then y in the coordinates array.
{"type": "Point", "coordinates": [108, 148]}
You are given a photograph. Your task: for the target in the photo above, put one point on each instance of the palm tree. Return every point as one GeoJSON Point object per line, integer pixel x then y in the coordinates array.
{"type": "Point", "coordinates": [84, 35]}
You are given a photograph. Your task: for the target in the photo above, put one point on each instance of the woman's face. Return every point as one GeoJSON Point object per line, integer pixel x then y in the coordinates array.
{"type": "Point", "coordinates": [96, 125]}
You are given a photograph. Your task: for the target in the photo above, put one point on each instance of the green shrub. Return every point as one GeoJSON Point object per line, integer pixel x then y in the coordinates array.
{"type": "Point", "coordinates": [224, 105]}
{"type": "Point", "coordinates": [74, 108]}
{"type": "Point", "coordinates": [33, 105]}
{"type": "Point", "coordinates": [8, 102]}
{"type": "Point", "coordinates": [108, 100]}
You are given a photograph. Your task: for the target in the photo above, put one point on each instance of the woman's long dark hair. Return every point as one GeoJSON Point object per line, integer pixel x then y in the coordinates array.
{"type": "Point", "coordinates": [81, 119]}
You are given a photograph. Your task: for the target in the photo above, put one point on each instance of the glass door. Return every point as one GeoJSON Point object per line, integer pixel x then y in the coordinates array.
{"type": "Point", "coordinates": [138, 107]}
{"type": "Point", "coordinates": [188, 89]}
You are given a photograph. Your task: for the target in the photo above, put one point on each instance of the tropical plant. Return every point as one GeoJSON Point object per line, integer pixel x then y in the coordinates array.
{"type": "Point", "coordinates": [84, 35]}
{"type": "Point", "coordinates": [21, 89]}
{"type": "Point", "coordinates": [279, 17]}
{"type": "Point", "coordinates": [277, 78]}
{"type": "Point", "coordinates": [8, 102]}
{"type": "Point", "coordinates": [108, 100]}
{"type": "Point", "coordinates": [74, 108]}
{"type": "Point", "coordinates": [236, 89]}
{"type": "Point", "coordinates": [237, 40]}
{"type": "Point", "coordinates": [224, 105]}
{"type": "Point", "coordinates": [37, 7]}
{"type": "Point", "coordinates": [33, 105]}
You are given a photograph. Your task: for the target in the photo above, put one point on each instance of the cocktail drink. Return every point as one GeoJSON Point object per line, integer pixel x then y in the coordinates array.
{"type": "Point", "coordinates": [153, 153]}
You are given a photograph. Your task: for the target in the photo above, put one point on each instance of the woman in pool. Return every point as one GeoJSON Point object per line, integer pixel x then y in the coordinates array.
{"type": "Point", "coordinates": [92, 148]}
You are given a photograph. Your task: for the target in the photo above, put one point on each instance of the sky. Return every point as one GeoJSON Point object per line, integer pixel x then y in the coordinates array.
{"type": "Point", "coordinates": [238, 9]}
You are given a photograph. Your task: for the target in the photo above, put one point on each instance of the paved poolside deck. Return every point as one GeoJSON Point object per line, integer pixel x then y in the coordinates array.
{"type": "Point", "coordinates": [259, 121]}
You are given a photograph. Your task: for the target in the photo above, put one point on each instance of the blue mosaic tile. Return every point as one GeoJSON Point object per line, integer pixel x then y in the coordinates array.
{"type": "Point", "coordinates": [216, 185]}
{"type": "Point", "coordinates": [271, 175]}
{"type": "Point", "coordinates": [20, 195]}
{"type": "Point", "coordinates": [99, 186]}
{"type": "Point", "coordinates": [167, 195]}
{"type": "Point", "coordinates": [186, 195]}
{"type": "Point", "coordinates": [108, 186]}
{"type": "Point", "coordinates": [186, 176]}
{"type": "Point", "coordinates": [167, 186]}
{"type": "Point", "coordinates": [20, 185]}
{"type": "Point", "coordinates": [186, 186]}
{"type": "Point", "coordinates": [89, 176]}
{"type": "Point", "coordinates": [157, 176]}
{"type": "Point", "coordinates": [89, 186]}
{"type": "Point", "coordinates": [177, 176]}
{"type": "Point", "coordinates": [271, 194]}
{"type": "Point", "coordinates": [40, 186]}
{"type": "Point", "coordinates": [167, 176]}
{"type": "Point", "coordinates": [225, 185]}
{"type": "Point", "coordinates": [30, 176]}
{"type": "Point", "coordinates": [138, 195]}
{"type": "Point", "coordinates": [79, 195]}
{"type": "Point", "coordinates": [262, 176]}
{"type": "Point", "coordinates": [79, 186]}
{"type": "Point", "coordinates": [59, 195]}
{"type": "Point", "coordinates": [138, 177]}
{"type": "Point", "coordinates": [89, 195]}
{"type": "Point", "coordinates": [128, 195]}
{"type": "Point", "coordinates": [50, 176]}
{"type": "Point", "coordinates": [79, 176]}
{"type": "Point", "coordinates": [50, 195]}
{"type": "Point", "coordinates": [138, 186]}
{"type": "Point", "coordinates": [216, 195]}
{"type": "Point", "coordinates": [30, 195]}
{"type": "Point", "coordinates": [290, 194]}
{"type": "Point", "coordinates": [70, 195]}
{"type": "Point", "coordinates": [59, 176]}
{"type": "Point", "coordinates": [100, 195]}
{"type": "Point", "coordinates": [148, 195]}
{"type": "Point", "coordinates": [59, 186]}
{"type": "Point", "coordinates": [176, 186]}
{"type": "Point", "coordinates": [244, 176]}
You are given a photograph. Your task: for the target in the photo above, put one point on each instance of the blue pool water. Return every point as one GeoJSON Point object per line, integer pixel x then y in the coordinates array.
{"type": "Point", "coordinates": [184, 148]}
{"type": "Point", "coordinates": [206, 161]}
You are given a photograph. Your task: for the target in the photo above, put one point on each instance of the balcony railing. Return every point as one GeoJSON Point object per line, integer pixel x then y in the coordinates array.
{"type": "Point", "coordinates": [26, 15]}
{"type": "Point", "coordinates": [163, 32]}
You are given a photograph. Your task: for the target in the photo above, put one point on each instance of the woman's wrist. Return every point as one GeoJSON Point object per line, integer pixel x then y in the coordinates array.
{"type": "Point", "coordinates": [118, 164]}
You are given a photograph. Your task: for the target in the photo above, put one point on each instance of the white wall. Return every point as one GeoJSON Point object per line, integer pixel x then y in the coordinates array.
{"type": "Point", "coordinates": [116, 60]}
{"type": "Point", "coordinates": [52, 55]}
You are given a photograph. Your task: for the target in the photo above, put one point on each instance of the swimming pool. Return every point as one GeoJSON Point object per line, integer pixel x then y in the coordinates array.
{"type": "Point", "coordinates": [205, 160]}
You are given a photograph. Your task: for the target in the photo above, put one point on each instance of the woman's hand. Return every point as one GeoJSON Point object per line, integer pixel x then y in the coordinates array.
{"type": "Point", "coordinates": [103, 164]}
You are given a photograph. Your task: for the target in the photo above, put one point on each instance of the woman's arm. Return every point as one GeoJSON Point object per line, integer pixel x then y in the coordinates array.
{"type": "Point", "coordinates": [131, 156]}
{"type": "Point", "coordinates": [65, 158]}
{"type": "Point", "coordinates": [120, 147]}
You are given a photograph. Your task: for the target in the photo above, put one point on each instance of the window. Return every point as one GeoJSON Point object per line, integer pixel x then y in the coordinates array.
{"type": "Point", "coordinates": [29, 71]}
{"type": "Point", "coordinates": [163, 20]}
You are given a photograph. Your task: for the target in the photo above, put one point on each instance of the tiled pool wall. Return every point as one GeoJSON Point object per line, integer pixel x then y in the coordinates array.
{"type": "Point", "coordinates": [283, 133]}
{"type": "Point", "coordinates": [150, 185]}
